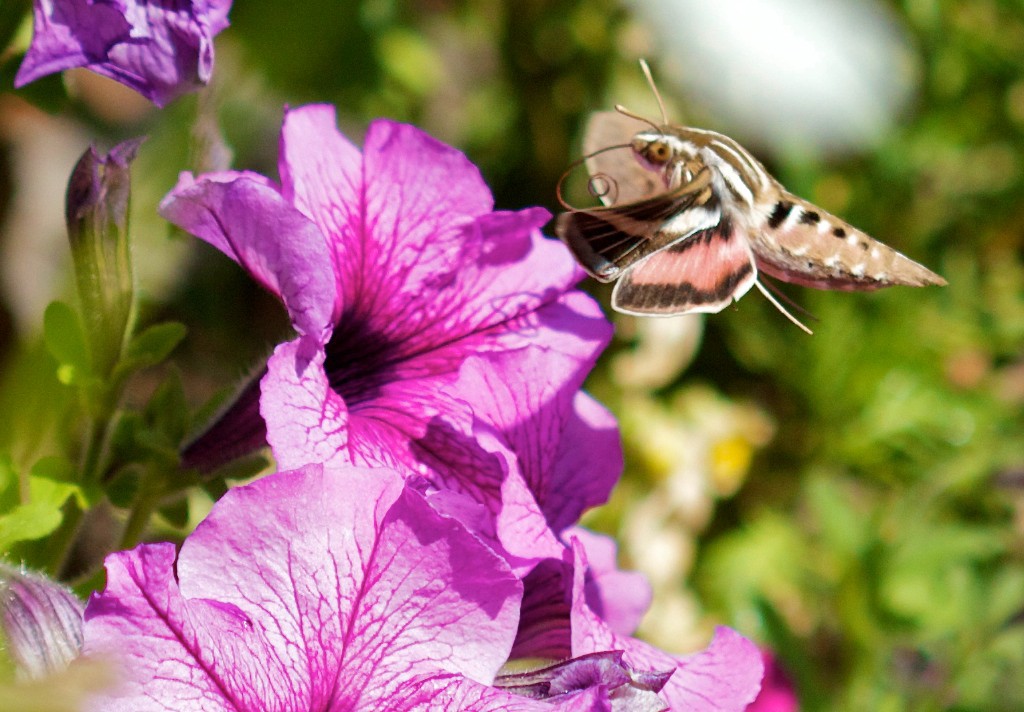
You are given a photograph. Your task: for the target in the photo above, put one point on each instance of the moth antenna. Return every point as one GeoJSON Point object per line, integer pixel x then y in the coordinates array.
{"type": "Point", "coordinates": [775, 303]}
{"type": "Point", "coordinates": [626, 112]}
{"type": "Point", "coordinates": [576, 164]}
{"type": "Point", "coordinates": [657, 95]}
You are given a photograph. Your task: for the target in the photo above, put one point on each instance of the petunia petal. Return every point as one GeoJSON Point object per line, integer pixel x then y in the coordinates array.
{"type": "Point", "coordinates": [244, 216]}
{"type": "Point", "coordinates": [168, 650]}
{"type": "Point", "coordinates": [545, 618]}
{"type": "Point", "coordinates": [777, 692]}
{"type": "Point", "coordinates": [531, 396]}
{"type": "Point", "coordinates": [321, 175]}
{"type": "Point", "coordinates": [71, 34]}
{"type": "Point", "coordinates": [450, 693]}
{"type": "Point", "coordinates": [725, 677]}
{"type": "Point", "coordinates": [617, 598]}
{"type": "Point", "coordinates": [587, 464]}
{"type": "Point", "coordinates": [159, 49]}
{"type": "Point", "coordinates": [480, 467]}
{"type": "Point", "coordinates": [415, 248]}
{"type": "Point", "coordinates": [306, 420]}
{"type": "Point", "coordinates": [305, 590]}
{"type": "Point", "coordinates": [419, 197]}
{"type": "Point", "coordinates": [620, 598]}
{"type": "Point", "coordinates": [630, 690]}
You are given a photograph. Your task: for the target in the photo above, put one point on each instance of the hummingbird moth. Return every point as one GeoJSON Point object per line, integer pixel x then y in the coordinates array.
{"type": "Point", "coordinates": [691, 219]}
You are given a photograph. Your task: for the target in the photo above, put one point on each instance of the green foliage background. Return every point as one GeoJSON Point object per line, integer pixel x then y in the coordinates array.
{"type": "Point", "coordinates": [876, 544]}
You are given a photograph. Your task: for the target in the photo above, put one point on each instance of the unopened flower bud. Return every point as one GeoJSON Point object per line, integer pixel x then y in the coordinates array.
{"type": "Point", "coordinates": [97, 217]}
{"type": "Point", "coordinates": [40, 623]}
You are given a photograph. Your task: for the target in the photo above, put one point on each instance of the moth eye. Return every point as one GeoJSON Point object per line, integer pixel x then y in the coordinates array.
{"type": "Point", "coordinates": [658, 152]}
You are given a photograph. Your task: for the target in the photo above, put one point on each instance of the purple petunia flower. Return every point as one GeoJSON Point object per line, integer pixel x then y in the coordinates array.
{"type": "Point", "coordinates": [436, 336]}
{"type": "Point", "coordinates": [159, 48]}
{"type": "Point", "coordinates": [565, 613]}
{"type": "Point", "coordinates": [325, 591]}
{"type": "Point", "coordinates": [725, 677]}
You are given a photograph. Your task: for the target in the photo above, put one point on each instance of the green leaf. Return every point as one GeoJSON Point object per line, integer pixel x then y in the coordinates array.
{"type": "Point", "coordinates": [38, 517]}
{"type": "Point", "coordinates": [176, 513]}
{"type": "Point", "coordinates": [844, 529]}
{"type": "Point", "coordinates": [55, 468]}
{"type": "Point", "coordinates": [64, 338]}
{"type": "Point", "coordinates": [124, 487]}
{"type": "Point", "coordinates": [151, 347]}
{"type": "Point", "coordinates": [154, 446]}
{"type": "Point", "coordinates": [8, 484]}
{"type": "Point", "coordinates": [167, 410]}
{"type": "Point", "coordinates": [34, 404]}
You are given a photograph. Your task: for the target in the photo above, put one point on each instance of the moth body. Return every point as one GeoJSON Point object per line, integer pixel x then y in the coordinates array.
{"type": "Point", "coordinates": [694, 238]}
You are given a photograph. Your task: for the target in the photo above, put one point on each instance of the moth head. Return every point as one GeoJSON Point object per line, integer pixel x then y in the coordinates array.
{"type": "Point", "coordinates": [653, 149]}
{"type": "Point", "coordinates": [675, 159]}
{"type": "Point", "coordinates": [660, 148]}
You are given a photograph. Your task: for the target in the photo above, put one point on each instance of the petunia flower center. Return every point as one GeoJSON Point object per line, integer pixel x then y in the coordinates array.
{"type": "Point", "coordinates": [360, 360]}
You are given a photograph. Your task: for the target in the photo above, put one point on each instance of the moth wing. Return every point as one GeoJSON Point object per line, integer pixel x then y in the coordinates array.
{"type": "Point", "coordinates": [627, 180]}
{"type": "Point", "coordinates": [703, 273]}
{"type": "Point", "coordinates": [805, 245]}
{"type": "Point", "coordinates": [608, 240]}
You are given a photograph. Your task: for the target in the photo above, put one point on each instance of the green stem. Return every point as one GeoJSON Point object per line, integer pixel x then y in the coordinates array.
{"type": "Point", "coordinates": [145, 504]}
{"type": "Point", "coordinates": [59, 544]}
{"type": "Point", "coordinates": [94, 447]}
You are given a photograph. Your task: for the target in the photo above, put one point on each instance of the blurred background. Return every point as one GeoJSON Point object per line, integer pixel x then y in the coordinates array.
{"type": "Point", "coordinates": [854, 500]}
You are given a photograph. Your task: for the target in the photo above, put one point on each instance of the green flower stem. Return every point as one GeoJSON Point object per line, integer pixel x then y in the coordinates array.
{"type": "Point", "coordinates": [59, 543]}
{"type": "Point", "coordinates": [146, 502]}
{"type": "Point", "coordinates": [95, 444]}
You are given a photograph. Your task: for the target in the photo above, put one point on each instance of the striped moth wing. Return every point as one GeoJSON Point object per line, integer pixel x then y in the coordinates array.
{"type": "Point", "coordinates": [668, 248]}
{"type": "Point", "coordinates": [607, 241]}
{"type": "Point", "coordinates": [705, 272]}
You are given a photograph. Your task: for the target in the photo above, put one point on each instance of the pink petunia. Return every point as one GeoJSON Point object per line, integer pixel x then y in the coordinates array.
{"type": "Point", "coordinates": [436, 336]}
{"type": "Point", "coordinates": [305, 591]}
{"type": "Point", "coordinates": [159, 48]}
{"type": "Point", "coordinates": [571, 609]}
{"type": "Point", "coordinates": [323, 591]}
{"type": "Point", "coordinates": [724, 677]}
